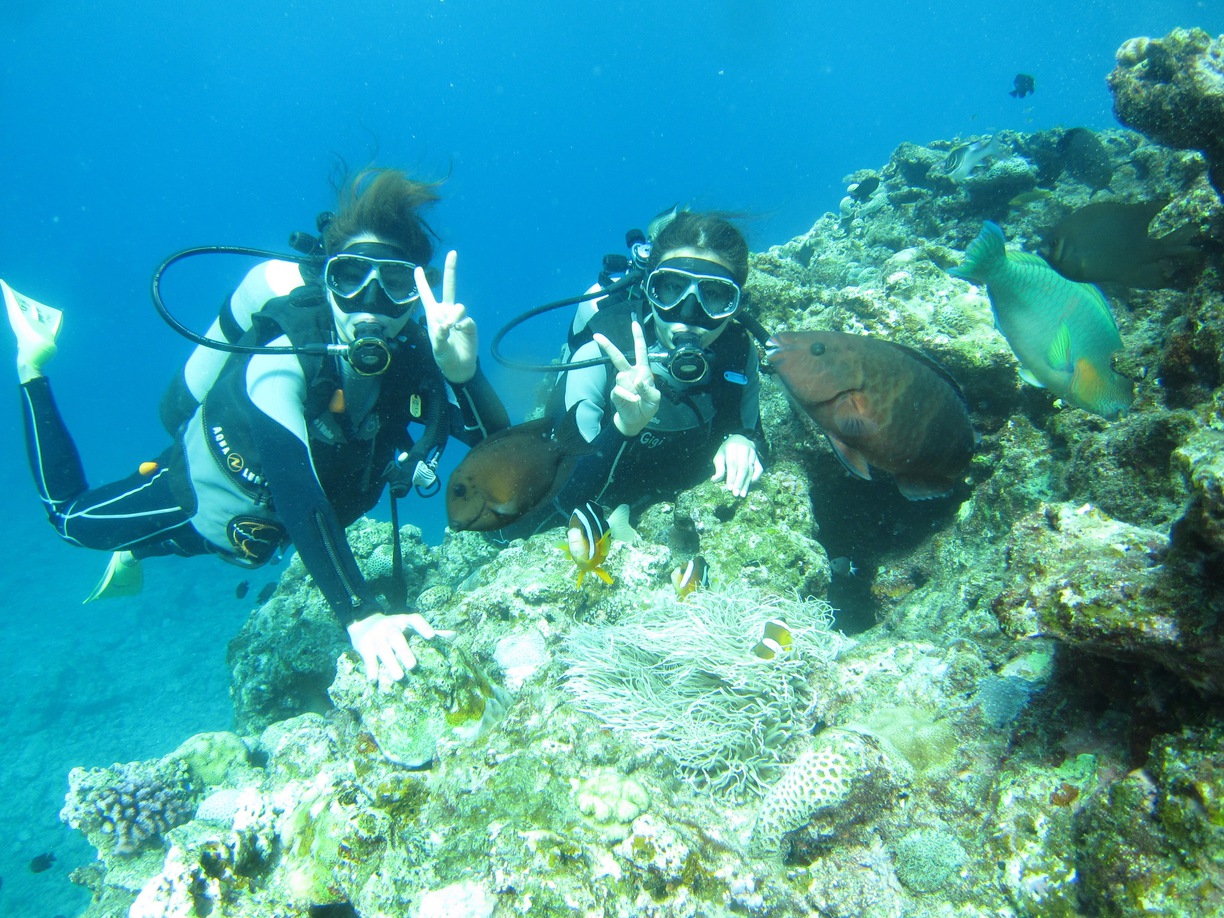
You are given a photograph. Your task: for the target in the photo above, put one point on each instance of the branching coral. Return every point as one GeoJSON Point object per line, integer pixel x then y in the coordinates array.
{"type": "Point", "coordinates": [682, 679]}
{"type": "Point", "coordinates": [133, 805]}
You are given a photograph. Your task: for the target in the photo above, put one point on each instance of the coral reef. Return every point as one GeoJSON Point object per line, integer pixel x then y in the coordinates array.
{"type": "Point", "coordinates": [127, 809]}
{"type": "Point", "coordinates": [1172, 90]}
{"type": "Point", "coordinates": [1011, 706]}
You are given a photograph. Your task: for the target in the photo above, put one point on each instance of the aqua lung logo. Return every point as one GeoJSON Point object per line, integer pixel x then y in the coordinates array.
{"type": "Point", "coordinates": [234, 461]}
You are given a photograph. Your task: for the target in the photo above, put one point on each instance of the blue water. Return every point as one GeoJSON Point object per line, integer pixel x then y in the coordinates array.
{"type": "Point", "coordinates": [134, 129]}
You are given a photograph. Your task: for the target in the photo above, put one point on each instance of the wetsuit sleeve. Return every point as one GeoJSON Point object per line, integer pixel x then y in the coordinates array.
{"type": "Point", "coordinates": [277, 391]}
{"type": "Point", "coordinates": [480, 411]}
{"type": "Point", "coordinates": [587, 389]}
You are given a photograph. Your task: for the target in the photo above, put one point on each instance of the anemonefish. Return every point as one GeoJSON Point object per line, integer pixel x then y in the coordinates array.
{"type": "Point", "coordinates": [589, 537]}
{"type": "Point", "coordinates": [691, 577]}
{"type": "Point", "coordinates": [775, 640]}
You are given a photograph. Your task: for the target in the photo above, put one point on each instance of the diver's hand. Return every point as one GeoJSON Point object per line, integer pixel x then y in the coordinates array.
{"type": "Point", "coordinates": [379, 641]}
{"type": "Point", "coordinates": [736, 461]}
{"type": "Point", "coordinates": [634, 396]}
{"type": "Point", "coordinates": [452, 332]}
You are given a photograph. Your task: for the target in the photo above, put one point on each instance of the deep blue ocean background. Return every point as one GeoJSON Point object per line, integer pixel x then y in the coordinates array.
{"type": "Point", "coordinates": [134, 129]}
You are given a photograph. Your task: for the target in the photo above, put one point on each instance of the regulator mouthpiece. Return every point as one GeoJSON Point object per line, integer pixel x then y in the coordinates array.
{"type": "Point", "coordinates": [369, 353]}
{"type": "Point", "coordinates": [688, 361]}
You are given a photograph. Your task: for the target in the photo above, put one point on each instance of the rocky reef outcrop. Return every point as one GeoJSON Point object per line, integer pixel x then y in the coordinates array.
{"type": "Point", "coordinates": [1171, 89]}
{"type": "Point", "coordinates": [1005, 701]}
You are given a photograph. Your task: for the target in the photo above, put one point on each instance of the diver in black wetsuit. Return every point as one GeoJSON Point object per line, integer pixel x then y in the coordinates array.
{"type": "Point", "coordinates": [687, 406]}
{"type": "Point", "coordinates": [272, 449]}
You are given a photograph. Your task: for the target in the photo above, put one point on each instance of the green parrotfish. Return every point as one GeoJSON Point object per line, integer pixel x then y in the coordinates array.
{"type": "Point", "coordinates": [1061, 331]}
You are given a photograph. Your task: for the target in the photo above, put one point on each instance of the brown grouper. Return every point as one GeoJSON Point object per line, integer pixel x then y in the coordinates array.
{"type": "Point", "coordinates": [512, 473]}
{"type": "Point", "coordinates": [880, 404]}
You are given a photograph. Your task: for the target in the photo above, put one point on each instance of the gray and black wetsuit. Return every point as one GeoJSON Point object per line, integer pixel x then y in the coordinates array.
{"type": "Point", "coordinates": [266, 459]}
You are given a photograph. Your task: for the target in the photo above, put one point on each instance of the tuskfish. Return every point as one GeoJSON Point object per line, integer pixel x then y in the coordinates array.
{"type": "Point", "coordinates": [879, 404]}
{"type": "Point", "coordinates": [1062, 332]}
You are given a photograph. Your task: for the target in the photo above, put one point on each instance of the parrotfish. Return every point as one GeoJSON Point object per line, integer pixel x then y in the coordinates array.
{"type": "Point", "coordinates": [965, 158]}
{"type": "Point", "coordinates": [512, 472]}
{"type": "Point", "coordinates": [691, 577]}
{"type": "Point", "coordinates": [1085, 157]}
{"type": "Point", "coordinates": [1108, 242]}
{"type": "Point", "coordinates": [1061, 331]}
{"type": "Point", "coordinates": [589, 537]}
{"type": "Point", "coordinates": [879, 404]}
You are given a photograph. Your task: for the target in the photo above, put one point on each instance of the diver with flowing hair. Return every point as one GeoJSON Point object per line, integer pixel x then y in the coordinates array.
{"type": "Point", "coordinates": [664, 386]}
{"type": "Point", "coordinates": [292, 429]}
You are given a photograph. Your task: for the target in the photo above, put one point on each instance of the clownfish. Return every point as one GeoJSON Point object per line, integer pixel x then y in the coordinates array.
{"type": "Point", "coordinates": [691, 577]}
{"type": "Point", "coordinates": [589, 537]}
{"type": "Point", "coordinates": [775, 640]}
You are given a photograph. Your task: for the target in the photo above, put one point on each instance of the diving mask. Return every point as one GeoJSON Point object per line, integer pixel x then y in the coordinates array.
{"type": "Point", "coordinates": [349, 273]}
{"type": "Point", "coordinates": [671, 284]}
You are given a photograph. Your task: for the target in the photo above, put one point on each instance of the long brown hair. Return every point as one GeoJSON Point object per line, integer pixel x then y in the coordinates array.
{"type": "Point", "coordinates": [708, 230]}
{"type": "Point", "coordinates": [384, 202]}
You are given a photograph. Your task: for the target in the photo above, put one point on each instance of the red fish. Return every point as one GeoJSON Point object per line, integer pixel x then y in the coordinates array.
{"type": "Point", "coordinates": [512, 472]}
{"type": "Point", "coordinates": [880, 404]}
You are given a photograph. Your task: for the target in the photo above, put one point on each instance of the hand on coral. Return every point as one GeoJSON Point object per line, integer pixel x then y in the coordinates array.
{"type": "Point", "coordinates": [379, 641]}
{"type": "Point", "coordinates": [452, 332]}
{"type": "Point", "coordinates": [634, 396]}
{"type": "Point", "coordinates": [736, 461]}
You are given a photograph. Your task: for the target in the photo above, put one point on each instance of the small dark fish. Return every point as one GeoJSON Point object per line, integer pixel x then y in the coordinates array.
{"type": "Point", "coordinates": [266, 593]}
{"type": "Point", "coordinates": [243, 589]}
{"type": "Point", "coordinates": [684, 537]}
{"type": "Point", "coordinates": [1108, 242]}
{"type": "Point", "coordinates": [862, 191]}
{"type": "Point", "coordinates": [513, 472]}
{"type": "Point", "coordinates": [42, 862]}
{"type": "Point", "coordinates": [843, 567]}
{"type": "Point", "coordinates": [1024, 86]}
{"type": "Point", "coordinates": [1086, 158]}
{"type": "Point", "coordinates": [880, 404]}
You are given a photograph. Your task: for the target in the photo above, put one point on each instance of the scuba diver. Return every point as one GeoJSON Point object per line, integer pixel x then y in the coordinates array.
{"type": "Point", "coordinates": [289, 426]}
{"type": "Point", "coordinates": [686, 403]}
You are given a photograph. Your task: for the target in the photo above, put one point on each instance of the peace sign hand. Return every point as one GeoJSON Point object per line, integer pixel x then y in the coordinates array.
{"type": "Point", "coordinates": [634, 396]}
{"type": "Point", "coordinates": [452, 332]}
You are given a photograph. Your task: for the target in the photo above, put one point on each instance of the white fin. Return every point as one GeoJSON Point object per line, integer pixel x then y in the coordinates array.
{"type": "Point", "coordinates": [618, 525]}
{"type": "Point", "coordinates": [1031, 379]}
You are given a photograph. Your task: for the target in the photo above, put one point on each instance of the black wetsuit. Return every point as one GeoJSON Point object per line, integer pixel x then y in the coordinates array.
{"type": "Point", "coordinates": [676, 449]}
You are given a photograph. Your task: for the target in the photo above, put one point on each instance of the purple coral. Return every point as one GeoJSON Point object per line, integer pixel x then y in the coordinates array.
{"type": "Point", "coordinates": [132, 804]}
